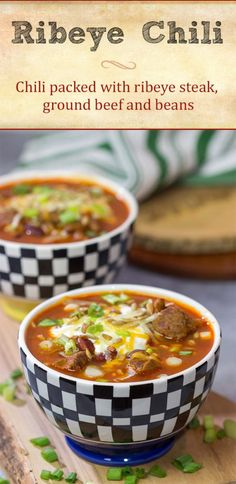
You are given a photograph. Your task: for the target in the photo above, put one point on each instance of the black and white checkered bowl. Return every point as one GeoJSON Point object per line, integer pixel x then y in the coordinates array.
{"type": "Point", "coordinates": [121, 413]}
{"type": "Point", "coordinates": [37, 272]}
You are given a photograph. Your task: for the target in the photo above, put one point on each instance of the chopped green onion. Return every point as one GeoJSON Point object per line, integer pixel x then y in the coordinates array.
{"type": "Point", "coordinates": [71, 477]}
{"type": "Point", "coordinates": [4, 481]}
{"type": "Point", "coordinates": [131, 480]}
{"type": "Point", "coordinates": [57, 475]}
{"type": "Point", "coordinates": [185, 352]}
{"type": "Point", "coordinates": [96, 191]}
{"type": "Point", "coordinates": [49, 454]}
{"type": "Point", "coordinates": [123, 332]}
{"type": "Point", "coordinates": [40, 441]}
{"type": "Point", "coordinates": [45, 475]}
{"type": "Point", "coordinates": [157, 471]}
{"type": "Point", "coordinates": [208, 422]}
{"type": "Point", "coordinates": [95, 311]}
{"type": "Point", "coordinates": [45, 323]}
{"type": "Point", "coordinates": [115, 298]}
{"type": "Point", "coordinates": [114, 474]}
{"type": "Point", "coordinates": [17, 373]}
{"type": "Point", "coordinates": [192, 467]}
{"type": "Point", "coordinates": [220, 434]}
{"type": "Point", "coordinates": [5, 384]}
{"type": "Point", "coordinates": [185, 463]}
{"type": "Point", "coordinates": [70, 347]}
{"type": "Point", "coordinates": [70, 215]}
{"type": "Point", "coordinates": [31, 212]}
{"type": "Point", "coordinates": [127, 471]}
{"type": "Point", "coordinates": [43, 189]}
{"type": "Point", "coordinates": [95, 328]}
{"type": "Point", "coordinates": [9, 392]}
{"type": "Point", "coordinates": [230, 428]}
{"type": "Point", "coordinates": [149, 351]}
{"type": "Point", "coordinates": [194, 424]}
{"type": "Point", "coordinates": [99, 209]}
{"type": "Point", "coordinates": [140, 472]}
{"type": "Point", "coordinates": [210, 436]}
{"type": "Point", "coordinates": [21, 189]}
{"type": "Point", "coordinates": [90, 233]}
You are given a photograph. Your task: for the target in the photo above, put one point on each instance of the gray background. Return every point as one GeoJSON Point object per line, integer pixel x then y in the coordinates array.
{"type": "Point", "coordinates": [219, 297]}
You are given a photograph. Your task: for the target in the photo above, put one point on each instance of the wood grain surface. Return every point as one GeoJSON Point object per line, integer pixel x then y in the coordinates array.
{"type": "Point", "coordinates": [23, 420]}
{"type": "Point", "coordinates": [189, 231]}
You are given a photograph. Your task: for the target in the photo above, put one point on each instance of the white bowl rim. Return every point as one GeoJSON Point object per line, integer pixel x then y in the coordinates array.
{"type": "Point", "coordinates": [103, 288]}
{"type": "Point", "coordinates": [118, 190]}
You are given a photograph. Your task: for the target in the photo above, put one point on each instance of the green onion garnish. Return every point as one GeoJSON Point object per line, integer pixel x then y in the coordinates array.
{"type": "Point", "coordinates": [131, 480]}
{"type": "Point", "coordinates": [40, 441]}
{"type": "Point", "coordinates": [140, 472]}
{"type": "Point", "coordinates": [230, 428]}
{"type": "Point", "coordinates": [194, 424]}
{"type": "Point", "coordinates": [21, 189]}
{"type": "Point", "coordinates": [185, 352]}
{"type": "Point", "coordinates": [185, 463]}
{"type": "Point", "coordinates": [49, 454]}
{"type": "Point", "coordinates": [9, 392]}
{"type": "Point", "coordinates": [95, 311]}
{"type": "Point", "coordinates": [99, 209]}
{"type": "Point", "coordinates": [5, 384]}
{"type": "Point", "coordinates": [15, 374]}
{"type": "Point", "coordinates": [70, 215]}
{"type": "Point", "coordinates": [95, 328]}
{"type": "Point", "coordinates": [208, 422]}
{"type": "Point", "coordinates": [57, 475]}
{"type": "Point", "coordinates": [45, 323]}
{"type": "Point", "coordinates": [157, 471]}
{"type": "Point", "coordinates": [210, 436]}
{"type": "Point", "coordinates": [127, 471]}
{"type": "Point", "coordinates": [220, 434]}
{"type": "Point", "coordinates": [4, 481]}
{"type": "Point", "coordinates": [31, 213]}
{"type": "Point", "coordinates": [71, 477]}
{"type": "Point", "coordinates": [45, 475]}
{"type": "Point", "coordinates": [114, 474]}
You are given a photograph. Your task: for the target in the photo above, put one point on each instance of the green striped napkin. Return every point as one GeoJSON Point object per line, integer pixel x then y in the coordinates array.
{"type": "Point", "coordinates": [142, 160]}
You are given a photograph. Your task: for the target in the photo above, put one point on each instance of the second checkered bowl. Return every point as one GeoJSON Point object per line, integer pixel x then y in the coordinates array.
{"type": "Point", "coordinates": [37, 272]}
{"type": "Point", "coordinates": [115, 415]}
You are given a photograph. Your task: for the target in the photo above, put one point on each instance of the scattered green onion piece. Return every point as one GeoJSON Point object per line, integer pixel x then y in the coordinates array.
{"type": "Point", "coordinates": [45, 475]}
{"type": "Point", "coordinates": [131, 480]}
{"type": "Point", "coordinates": [210, 436]}
{"type": "Point", "coordinates": [95, 328]}
{"type": "Point", "coordinates": [157, 471]}
{"type": "Point", "coordinates": [185, 353]}
{"type": "Point", "coordinates": [95, 311]}
{"type": "Point", "coordinates": [70, 215]}
{"type": "Point", "coordinates": [192, 467]}
{"type": "Point", "coordinates": [194, 424]}
{"type": "Point", "coordinates": [4, 481]}
{"type": "Point", "coordinates": [230, 428]}
{"type": "Point", "coordinates": [184, 459]}
{"type": "Point", "coordinates": [140, 473]}
{"type": "Point", "coordinates": [31, 213]}
{"type": "Point", "coordinates": [70, 347]}
{"type": "Point", "coordinates": [9, 392]}
{"type": "Point", "coordinates": [17, 373]}
{"type": "Point", "coordinates": [96, 191]}
{"type": "Point", "coordinates": [127, 471]}
{"type": "Point", "coordinates": [114, 474]}
{"type": "Point", "coordinates": [4, 385]}
{"type": "Point", "coordinates": [90, 233]}
{"type": "Point", "coordinates": [71, 478]}
{"type": "Point", "coordinates": [49, 454]}
{"type": "Point", "coordinates": [208, 422]}
{"type": "Point", "coordinates": [46, 323]}
{"type": "Point", "coordinates": [40, 441]}
{"type": "Point", "coordinates": [57, 475]}
{"type": "Point", "coordinates": [21, 189]}
{"type": "Point", "coordinates": [43, 189]}
{"type": "Point", "coordinates": [220, 434]}
{"type": "Point", "coordinates": [99, 209]}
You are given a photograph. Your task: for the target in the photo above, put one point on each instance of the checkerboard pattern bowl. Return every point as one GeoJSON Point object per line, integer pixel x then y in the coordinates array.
{"type": "Point", "coordinates": [38, 272]}
{"type": "Point", "coordinates": [121, 413]}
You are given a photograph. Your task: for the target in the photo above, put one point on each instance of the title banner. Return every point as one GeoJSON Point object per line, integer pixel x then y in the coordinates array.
{"type": "Point", "coordinates": [117, 65]}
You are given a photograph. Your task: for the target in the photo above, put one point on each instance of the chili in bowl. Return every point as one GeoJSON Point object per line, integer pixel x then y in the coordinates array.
{"type": "Point", "coordinates": [60, 231]}
{"type": "Point", "coordinates": [120, 369]}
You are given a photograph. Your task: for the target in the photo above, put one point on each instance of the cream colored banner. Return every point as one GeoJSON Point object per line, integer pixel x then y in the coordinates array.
{"type": "Point", "coordinates": [104, 65]}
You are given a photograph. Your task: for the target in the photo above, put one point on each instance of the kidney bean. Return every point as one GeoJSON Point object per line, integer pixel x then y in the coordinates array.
{"type": "Point", "coordinates": [85, 343]}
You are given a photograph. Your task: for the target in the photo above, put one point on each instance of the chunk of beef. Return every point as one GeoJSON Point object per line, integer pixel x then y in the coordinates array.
{"type": "Point", "coordinates": [6, 217]}
{"type": "Point", "coordinates": [77, 361]}
{"type": "Point", "coordinates": [140, 361]}
{"type": "Point", "coordinates": [111, 352]}
{"type": "Point", "coordinates": [173, 322]}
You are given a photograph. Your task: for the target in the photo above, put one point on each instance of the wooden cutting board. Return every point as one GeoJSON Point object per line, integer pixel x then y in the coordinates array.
{"type": "Point", "coordinates": [189, 231]}
{"type": "Point", "coordinates": [21, 421]}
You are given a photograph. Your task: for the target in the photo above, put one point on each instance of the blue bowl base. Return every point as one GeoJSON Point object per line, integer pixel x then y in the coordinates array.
{"type": "Point", "coordinates": [120, 456]}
